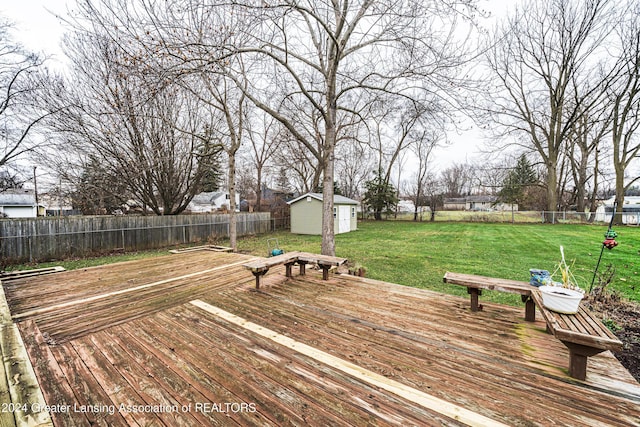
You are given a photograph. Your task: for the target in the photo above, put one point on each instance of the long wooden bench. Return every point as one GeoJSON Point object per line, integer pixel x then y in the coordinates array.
{"type": "Point", "coordinates": [260, 267]}
{"type": "Point", "coordinates": [475, 284]}
{"type": "Point", "coordinates": [582, 333]}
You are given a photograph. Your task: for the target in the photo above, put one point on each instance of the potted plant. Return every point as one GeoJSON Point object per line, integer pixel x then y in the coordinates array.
{"type": "Point", "coordinates": [565, 296]}
{"type": "Point", "coordinates": [357, 270]}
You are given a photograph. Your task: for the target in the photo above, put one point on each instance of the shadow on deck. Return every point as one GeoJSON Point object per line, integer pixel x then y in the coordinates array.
{"type": "Point", "coordinates": [187, 340]}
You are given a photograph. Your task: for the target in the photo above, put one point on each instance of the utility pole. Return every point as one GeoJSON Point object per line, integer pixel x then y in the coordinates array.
{"type": "Point", "coordinates": [35, 190]}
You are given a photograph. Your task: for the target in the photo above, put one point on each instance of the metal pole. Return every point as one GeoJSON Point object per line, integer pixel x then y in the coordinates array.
{"type": "Point", "coordinates": [602, 249]}
{"type": "Point", "coordinates": [35, 190]}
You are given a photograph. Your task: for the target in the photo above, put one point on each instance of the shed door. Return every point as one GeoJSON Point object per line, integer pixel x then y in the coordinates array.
{"type": "Point", "coordinates": [344, 219]}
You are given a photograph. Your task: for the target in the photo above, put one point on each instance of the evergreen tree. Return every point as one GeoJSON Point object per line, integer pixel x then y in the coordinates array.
{"type": "Point", "coordinates": [517, 183]}
{"type": "Point", "coordinates": [380, 196]}
{"type": "Point", "coordinates": [210, 160]}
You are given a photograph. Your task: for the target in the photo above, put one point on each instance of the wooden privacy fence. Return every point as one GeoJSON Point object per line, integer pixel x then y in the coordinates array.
{"type": "Point", "coordinates": [39, 239]}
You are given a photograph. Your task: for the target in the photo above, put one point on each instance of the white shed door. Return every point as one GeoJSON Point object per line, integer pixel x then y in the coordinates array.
{"type": "Point", "coordinates": [344, 219]}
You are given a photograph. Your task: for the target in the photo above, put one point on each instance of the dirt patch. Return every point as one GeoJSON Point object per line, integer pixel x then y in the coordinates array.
{"type": "Point", "coordinates": [622, 318]}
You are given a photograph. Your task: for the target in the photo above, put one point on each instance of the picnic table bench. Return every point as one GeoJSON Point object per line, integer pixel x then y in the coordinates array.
{"type": "Point", "coordinates": [260, 267]}
{"type": "Point", "coordinates": [582, 333]}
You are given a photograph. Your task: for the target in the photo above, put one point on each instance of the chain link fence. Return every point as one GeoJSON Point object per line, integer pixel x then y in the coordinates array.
{"type": "Point", "coordinates": [560, 217]}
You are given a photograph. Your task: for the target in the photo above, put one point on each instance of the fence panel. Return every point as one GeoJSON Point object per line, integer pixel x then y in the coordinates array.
{"type": "Point", "coordinates": [562, 217]}
{"type": "Point", "coordinates": [39, 239]}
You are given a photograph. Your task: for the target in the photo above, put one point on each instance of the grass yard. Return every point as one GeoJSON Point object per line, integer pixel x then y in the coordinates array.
{"type": "Point", "coordinates": [418, 254]}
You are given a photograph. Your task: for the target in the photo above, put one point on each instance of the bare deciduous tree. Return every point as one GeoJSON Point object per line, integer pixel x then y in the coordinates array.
{"type": "Point", "coordinates": [328, 52]}
{"type": "Point", "coordinates": [425, 142]}
{"type": "Point", "coordinates": [543, 59]}
{"type": "Point", "coordinates": [625, 103]}
{"type": "Point", "coordinates": [23, 85]}
{"type": "Point", "coordinates": [265, 134]}
{"type": "Point", "coordinates": [583, 154]}
{"type": "Point", "coordinates": [143, 129]}
{"type": "Point", "coordinates": [353, 166]}
{"type": "Point", "coordinates": [457, 180]}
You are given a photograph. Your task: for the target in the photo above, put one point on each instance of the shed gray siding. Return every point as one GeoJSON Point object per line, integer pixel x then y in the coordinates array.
{"type": "Point", "coordinates": [306, 214]}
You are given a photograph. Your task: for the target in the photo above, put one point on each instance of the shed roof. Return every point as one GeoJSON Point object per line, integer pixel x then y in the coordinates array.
{"type": "Point", "coordinates": [17, 197]}
{"type": "Point", "coordinates": [337, 199]}
{"type": "Point", "coordinates": [482, 199]}
{"type": "Point", "coordinates": [207, 198]}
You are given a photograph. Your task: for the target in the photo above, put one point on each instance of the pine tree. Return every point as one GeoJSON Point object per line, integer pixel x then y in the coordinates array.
{"type": "Point", "coordinates": [380, 196]}
{"type": "Point", "coordinates": [518, 181]}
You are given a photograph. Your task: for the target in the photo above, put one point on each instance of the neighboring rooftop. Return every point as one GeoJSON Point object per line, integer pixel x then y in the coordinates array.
{"type": "Point", "coordinates": [337, 199]}
{"type": "Point", "coordinates": [17, 197]}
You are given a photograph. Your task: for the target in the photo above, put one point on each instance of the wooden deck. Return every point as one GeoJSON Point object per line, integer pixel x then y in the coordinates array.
{"type": "Point", "coordinates": [187, 340]}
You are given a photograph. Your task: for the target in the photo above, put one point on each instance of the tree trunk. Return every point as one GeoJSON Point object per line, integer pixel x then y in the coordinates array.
{"type": "Point", "coordinates": [233, 220]}
{"type": "Point", "coordinates": [552, 185]}
{"type": "Point", "coordinates": [619, 195]}
{"type": "Point", "coordinates": [328, 231]}
{"type": "Point", "coordinates": [259, 191]}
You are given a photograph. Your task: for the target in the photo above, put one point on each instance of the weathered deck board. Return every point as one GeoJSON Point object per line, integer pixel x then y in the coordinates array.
{"type": "Point", "coordinates": [82, 316]}
{"type": "Point", "coordinates": [40, 292]}
{"type": "Point", "coordinates": [152, 346]}
{"type": "Point", "coordinates": [431, 362]}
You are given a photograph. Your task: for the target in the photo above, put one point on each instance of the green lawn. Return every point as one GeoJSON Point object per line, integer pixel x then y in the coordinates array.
{"type": "Point", "coordinates": [418, 254]}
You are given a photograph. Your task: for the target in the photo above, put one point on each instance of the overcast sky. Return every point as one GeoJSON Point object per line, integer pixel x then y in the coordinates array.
{"type": "Point", "coordinates": [40, 31]}
{"type": "Point", "coordinates": [35, 25]}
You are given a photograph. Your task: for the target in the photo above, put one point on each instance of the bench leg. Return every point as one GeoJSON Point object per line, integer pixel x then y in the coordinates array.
{"type": "Point", "coordinates": [529, 308]}
{"type": "Point", "coordinates": [475, 293]}
{"type": "Point", "coordinates": [302, 265]}
{"type": "Point", "coordinates": [288, 267]}
{"type": "Point", "coordinates": [325, 272]}
{"type": "Point", "coordinates": [578, 356]}
{"type": "Point", "coordinates": [258, 276]}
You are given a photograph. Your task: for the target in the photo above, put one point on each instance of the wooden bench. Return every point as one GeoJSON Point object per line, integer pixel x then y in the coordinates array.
{"type": "Point", "coordinates": [582, 333]}
{"type": "Point", "coordinates": [475, 285]}
{"type": "Point", "coordinates": [260, 267]}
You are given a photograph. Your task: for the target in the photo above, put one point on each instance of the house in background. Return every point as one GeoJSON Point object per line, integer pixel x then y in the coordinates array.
{"type": "Point", "coordinates": [630, 210]}
{"type": "Point", "coordinates": [306, 214]}
{"type": "Point", "coordinates": [454, 204]}
{"type": "Point", "coordinates": [18, 203]}
{"type": "Point", "coordinates": [58, 205]}
{"type": "Point", "coordinates": [213, 201]}
{"type": "Point", "coordinates": [478, 203]}
{"type": "Point", "coordinates": [488, 203]}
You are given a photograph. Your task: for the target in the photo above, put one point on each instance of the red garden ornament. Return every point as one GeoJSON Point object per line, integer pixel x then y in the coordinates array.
{"type": "Point", "coordinates": [610, 239]}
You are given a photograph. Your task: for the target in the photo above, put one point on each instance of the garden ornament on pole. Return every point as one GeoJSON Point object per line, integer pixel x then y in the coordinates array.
{"type": "Point", "coordinates": [609, 243]}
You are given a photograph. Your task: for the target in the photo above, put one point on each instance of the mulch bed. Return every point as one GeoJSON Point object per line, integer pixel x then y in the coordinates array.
{"type": "Point", "coordinates": [622, 317]}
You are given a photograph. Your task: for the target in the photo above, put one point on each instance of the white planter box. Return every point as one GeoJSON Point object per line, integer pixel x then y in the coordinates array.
{"type": "Point", "coordinates": [561, 300]}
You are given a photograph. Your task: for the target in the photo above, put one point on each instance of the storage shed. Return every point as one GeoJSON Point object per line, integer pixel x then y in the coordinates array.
{"type": "Point", "coordinates": [18, 203]}
{"type": "Point", "coordinates": [306, 214]}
